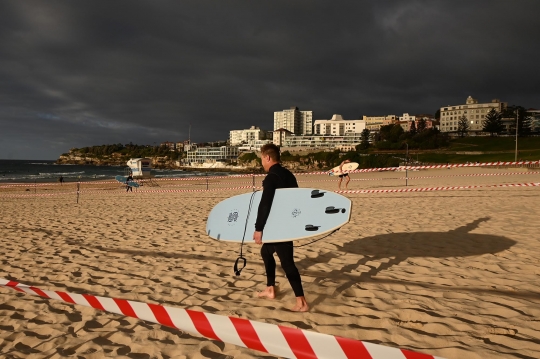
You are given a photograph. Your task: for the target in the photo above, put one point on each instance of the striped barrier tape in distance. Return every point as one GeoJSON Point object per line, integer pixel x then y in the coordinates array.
{"type": "Point", "coordinates": [427, 177]}
{"type": "Point", "coordinates": [403, 168]}
{"type": "Point", "coordinates": [431, 189]}
{"type": "Point", "coordinates": [428, 189]}
{"type": "Point", "coordinates": [380, 169]}
{"type": "Point", "coordinates": [101, 191]}
{"type": "Point", "coordinates": [268, 338]}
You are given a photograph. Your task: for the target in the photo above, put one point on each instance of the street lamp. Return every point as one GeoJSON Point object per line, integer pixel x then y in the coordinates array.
{"type": "Point", "coordinates": [517, 125]}
{"type": "Point", "coordinates": [407, 154]}
{"type": "Point", "coordinates": [407, 165]}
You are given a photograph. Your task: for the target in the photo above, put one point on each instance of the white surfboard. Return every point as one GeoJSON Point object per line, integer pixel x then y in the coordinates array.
{"type": "Point", "coordinates": [347, 167]}
{"type": "Point", "coordinates": [296, 213]}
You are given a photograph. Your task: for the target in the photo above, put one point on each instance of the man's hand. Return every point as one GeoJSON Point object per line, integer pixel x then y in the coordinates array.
{"type": "Point", "coordinates": [257, 237]}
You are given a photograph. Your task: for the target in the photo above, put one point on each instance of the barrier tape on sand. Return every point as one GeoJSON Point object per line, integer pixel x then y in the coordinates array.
{"type": "Point", "coordinates": [123, 190]}
{"type": "Point", "coordinates": [426, 177]}
{"type": "Point", "coordinates": [430, 189]}
{"type": "Point", "coordinates": [268, 338]}
{"type": "Point", "coordinates": [193, 190]}
{"type": "Point", "coordinates": [403, 168]}
{"type": "Point", "coordinates": [380, 169]}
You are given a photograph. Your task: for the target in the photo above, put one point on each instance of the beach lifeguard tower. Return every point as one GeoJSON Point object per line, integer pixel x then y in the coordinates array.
{"type": "Point", "coordinates": [140, 167]}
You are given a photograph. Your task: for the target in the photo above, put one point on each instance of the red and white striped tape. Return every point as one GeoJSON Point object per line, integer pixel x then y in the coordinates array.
{"type": "Point", "coordinates": [203, 178]}
{"type": "Point", "coordinates": [380, 169]}
{"type": "Point", "coordinates": [39, 194]}
{"type": "Point", "coordinates": [194, 190]}
{"type": "Point", "coordinates": [48, 184]}
{"type": "Point", "coordinates": [123, 190]}
{"type": "Point", "coordinates": [426, 177]}
{"type": "Point", "coordinates": [431, 189]}
{"type": "Point", "coordinates": [268, 338]}
{"type": "Point", "coordinates": [403, 168]}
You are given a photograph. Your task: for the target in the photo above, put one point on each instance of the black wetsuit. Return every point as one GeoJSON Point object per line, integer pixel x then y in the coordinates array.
{"type": "Point", "coordinates": [278, 177]}
{"type": "Point", "coordinates": [128, 187]}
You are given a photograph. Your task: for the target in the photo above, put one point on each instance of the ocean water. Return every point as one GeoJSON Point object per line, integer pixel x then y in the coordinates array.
{"type": "Point", "coordinates": [30, 171]}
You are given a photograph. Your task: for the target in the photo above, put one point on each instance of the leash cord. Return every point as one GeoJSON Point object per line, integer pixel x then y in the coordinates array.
{"type": "Point", "coordinates": [241, 257]}
{"type": "Point", "coordinates": [329, 234]}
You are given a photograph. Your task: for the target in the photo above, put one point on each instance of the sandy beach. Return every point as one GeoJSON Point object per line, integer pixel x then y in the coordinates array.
{"type": "Point", "coordinates": [449, 273]}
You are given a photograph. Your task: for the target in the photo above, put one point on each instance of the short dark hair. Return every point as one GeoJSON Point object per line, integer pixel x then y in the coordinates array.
{"type": "Point", "coordinates": [271, 150]}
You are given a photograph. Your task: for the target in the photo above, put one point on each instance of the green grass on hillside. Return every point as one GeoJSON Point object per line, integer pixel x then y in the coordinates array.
{"type": "Point", "coordinates": [526, 155]}
{"type": "Point", "coordinates": [494, 144]}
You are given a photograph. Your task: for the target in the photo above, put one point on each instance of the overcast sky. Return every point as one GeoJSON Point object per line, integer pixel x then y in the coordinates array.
{"type": "Point", "coordinates": [83, 73]}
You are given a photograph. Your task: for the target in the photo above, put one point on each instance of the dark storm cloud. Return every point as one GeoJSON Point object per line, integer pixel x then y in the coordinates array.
{"type": "Point", "coordinates": [74, 74]}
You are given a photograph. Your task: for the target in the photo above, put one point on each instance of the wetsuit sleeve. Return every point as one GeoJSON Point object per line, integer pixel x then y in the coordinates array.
{"type": "Point", "coordinates": [269, 190]}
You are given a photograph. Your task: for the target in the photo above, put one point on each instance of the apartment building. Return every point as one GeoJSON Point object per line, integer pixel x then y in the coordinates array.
{"type": "Point", "coordinates": [473, 111]}
{"type": "Point", "coordinates": [374, 123]}
{"type": "Point", "coordinates": [211, 154]}
{"type": "Point", "coordinates": [253, 145]}
{"type": "Point", "coordinates": [183, 145]}
{"type": "Point", "coordinates": [337, 126]}
{"type": "Point", "coordinates": [237, 137]}
{"type": "Point", "coordinates": [292, 142]}
{"type": "Point", "coordinates": [429, 120]}
{"type": "Point", "coordinates": [279, 135]}
{"type": "Point", "coordinates": [170, 145]}
{"type": "Point", "coordinates": [294, 120]}
{"type": "Point", "coordinates": [535, 119]}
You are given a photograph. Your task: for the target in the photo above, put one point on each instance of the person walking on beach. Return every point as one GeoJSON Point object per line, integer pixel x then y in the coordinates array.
{"type": "Point", "coordinates": [343, 175]}
{"type": "Point", "coordinates": [129, 178]}
{"type": "Point", "coordinates": [277, 177]}
{"type": "Point", "coordinates": [61, 180]}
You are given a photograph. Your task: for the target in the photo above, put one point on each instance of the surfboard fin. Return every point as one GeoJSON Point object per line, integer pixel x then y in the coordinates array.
{"type": "Point", "coordinates": [316, 194]}
{"type": "Point", "coordinates": [312, 228]}
{"type": "Point", "coordinates": [332, 210]}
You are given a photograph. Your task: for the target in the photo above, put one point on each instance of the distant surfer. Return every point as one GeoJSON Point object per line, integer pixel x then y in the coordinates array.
{"type": "Point", "coordinates": [129, 179]}
{"type": "Point", "coordinates": [277, 177]}
{"type": "Point", "coordinates": [343, 175]}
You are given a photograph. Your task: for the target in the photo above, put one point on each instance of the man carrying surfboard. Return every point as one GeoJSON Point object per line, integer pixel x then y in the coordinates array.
{"type": "Point", "coordinates": [129, 179]}
{"type": "Point", "coordinates": [343, 175]}
{"type": "Point", "coordinates": [277, 177]}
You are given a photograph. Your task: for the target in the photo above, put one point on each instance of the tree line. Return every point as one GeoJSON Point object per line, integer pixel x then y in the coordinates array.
{"type": "Point", "coordinates": [128, 150]}
{"type": "Point", "coordinates": [394, 137]}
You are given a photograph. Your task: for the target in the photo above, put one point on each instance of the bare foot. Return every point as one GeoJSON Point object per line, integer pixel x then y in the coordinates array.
{"type": "Point", "coordinates": [301, 305]}
{"type": "Point", "coordinates": [269, 293]}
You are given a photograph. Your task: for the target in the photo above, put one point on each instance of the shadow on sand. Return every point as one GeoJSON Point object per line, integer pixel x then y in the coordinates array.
{"type": "Point", "coordinates": [398, 247]}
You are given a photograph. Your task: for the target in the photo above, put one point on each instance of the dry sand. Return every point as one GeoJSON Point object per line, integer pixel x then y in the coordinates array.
{"type": "Point", "coordinates": [449, 273]}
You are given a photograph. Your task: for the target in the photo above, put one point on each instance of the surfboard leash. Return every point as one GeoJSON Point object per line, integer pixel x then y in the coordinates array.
{"type": "Point", "coordinates": [241, 257]}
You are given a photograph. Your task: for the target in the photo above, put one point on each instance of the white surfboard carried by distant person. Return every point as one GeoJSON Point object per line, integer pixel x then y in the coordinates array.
{"type": "Point", "coordinates": [296, 213]}
{"type": "Point", "coordinates": [123, 179]}
{"type": "Point", "coordinates": [346, 168]}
